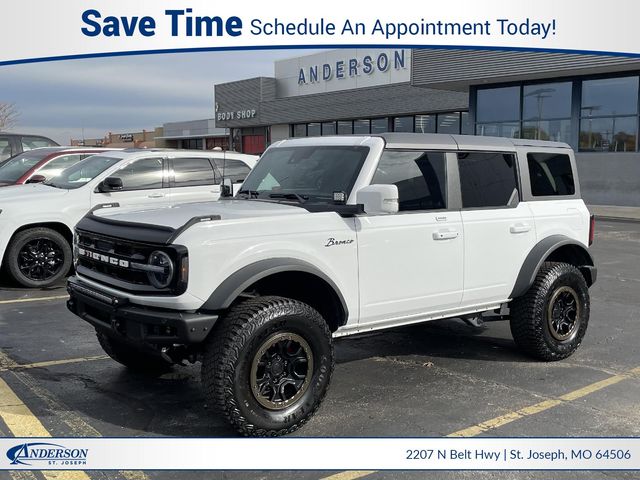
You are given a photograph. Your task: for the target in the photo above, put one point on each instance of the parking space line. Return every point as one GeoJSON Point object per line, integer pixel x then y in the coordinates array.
{"type": "Point", "coordinates": [34, 299]}
{"type": "Point", "coordinates": [50, 363]}
{"type": "Point", "coordinates": [23, 423]}
{"type": "Point", "coordinates": [349, 475]}
{"type": "Point", "coordinates": [7, 364]}
{"type": "Point", "coordinates": [75, 423]}
{"type": "Point", "coordinates": [543, 406]}
{"type": "Point", "coordinates": [509, 417]}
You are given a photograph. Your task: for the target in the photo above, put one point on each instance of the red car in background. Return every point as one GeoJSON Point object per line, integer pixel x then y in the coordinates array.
{"type": "Point", "coordinates": [42, 164]}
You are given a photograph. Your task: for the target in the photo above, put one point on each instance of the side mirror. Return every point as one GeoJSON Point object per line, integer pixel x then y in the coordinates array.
{"type": "Point", "coordinates": [36, 179]}
{"type": "Point", "coordinates": [226, 188]}
{"type": "Point", "coordinates": [111, 184]}
{"type": "Point", "coordinates": [378, 199]}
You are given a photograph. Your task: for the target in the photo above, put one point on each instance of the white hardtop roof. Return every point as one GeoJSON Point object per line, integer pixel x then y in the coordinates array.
{"type": "Point", "coordinates": [426, 140]}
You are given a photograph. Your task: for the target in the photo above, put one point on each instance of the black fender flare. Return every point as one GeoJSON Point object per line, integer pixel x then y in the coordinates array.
{"type": "Point", "coordinates": [540, 252]}
{"type": "Point", "coordinates": [224, 295]}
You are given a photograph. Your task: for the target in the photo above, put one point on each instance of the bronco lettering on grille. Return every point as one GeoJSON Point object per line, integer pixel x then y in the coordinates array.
{"type": "Point", "coordinates": [103, 258]}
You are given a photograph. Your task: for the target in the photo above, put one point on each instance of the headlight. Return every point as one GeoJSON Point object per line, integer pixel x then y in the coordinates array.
{"type": "Point", "coordinates": [161, 272]}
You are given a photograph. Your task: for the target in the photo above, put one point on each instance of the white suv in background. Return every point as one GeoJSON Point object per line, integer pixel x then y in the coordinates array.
{"type": "Point", "coordinates": [37, 220]}
{"type": "Point", "coordinates": [335, 236]}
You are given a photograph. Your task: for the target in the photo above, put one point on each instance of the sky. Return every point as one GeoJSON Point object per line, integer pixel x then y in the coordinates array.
{"type": "Point", "coordinates": [124, 94]}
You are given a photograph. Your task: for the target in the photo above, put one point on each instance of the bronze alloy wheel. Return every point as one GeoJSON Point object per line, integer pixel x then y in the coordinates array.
{"type": "Point", "coordinates": [281, 370]}
{"type": "Point", "coordinates": [563, 314]}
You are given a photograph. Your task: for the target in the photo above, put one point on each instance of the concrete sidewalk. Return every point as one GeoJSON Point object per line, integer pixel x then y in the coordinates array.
{"type": "Point", "coordinates": [612, 212]}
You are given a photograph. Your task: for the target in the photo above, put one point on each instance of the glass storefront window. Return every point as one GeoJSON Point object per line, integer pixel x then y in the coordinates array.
{"type": "Point", "coordinates": [345, 127]}
{"type": "Point", "coordinates": [449, 123]}
{"type": "Point", "coordinates": [379, 125]}
{"type": "Point", "coordinates": [610, 96]}
{"type": "Point", "coordinates": [329, 128]}
{"type": "Point", "coordinates": [403, 124]}
{"type": "Point", "coordinates": [551, 130]}
{"type": "Point", "coordinates": [425, 123]}
{"type": "Point", "coordinates": [613, 134]}
{"type": "Point", "coordinates": [509, 130]}
{"type": "Point", "coordinates": [361, 126]}
{"type": "Point", "coordinates": [546, 101]}
{"type": "Point", "coordinates": [313, 129]}
{"type": "Point", "coordinates": [300, 130]}
{"type": "Point", "coordinates": [498, 104]}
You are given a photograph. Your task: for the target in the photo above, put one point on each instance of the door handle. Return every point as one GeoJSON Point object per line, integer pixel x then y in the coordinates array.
{"type": "Point", "coordinates": [520, 228]}
{"type": "Point", "coordinates": [155, 195]}
{"type": "Point", "coordinates": [445, 234]}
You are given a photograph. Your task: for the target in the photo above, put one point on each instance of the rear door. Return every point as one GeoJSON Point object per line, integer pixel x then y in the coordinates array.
{"type": "Point", "coordinates": [499, 230]}
{"type": "Point", "coordinates": [144, 182]}
{"type": "Point", "coordinates": [193, 180]}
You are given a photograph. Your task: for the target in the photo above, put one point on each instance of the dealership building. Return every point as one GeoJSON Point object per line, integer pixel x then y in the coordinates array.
{"type": "Point", "coordinates": [590, 102]}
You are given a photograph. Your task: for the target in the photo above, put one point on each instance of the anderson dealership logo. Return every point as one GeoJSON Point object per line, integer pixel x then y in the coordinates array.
{"type": "Point", "coordinates": [42, 454]}
{"type": "Point", "coordinates": [352, 67]}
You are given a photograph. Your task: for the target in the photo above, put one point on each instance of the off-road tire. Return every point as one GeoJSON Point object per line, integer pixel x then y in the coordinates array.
{"type": "Point", "coordinates": [236, 341]}
{"type": "Point", "coordinates": [529, 313]}
{"type": "Point", "coordinates": [133, 358]}
{"type": "Point", "coordinates": [22, 238]}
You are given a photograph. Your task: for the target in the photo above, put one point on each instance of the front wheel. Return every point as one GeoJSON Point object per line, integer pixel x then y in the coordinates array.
{"type": "Point", "coordinates": [550, 320]}
{"type": "Point", "coordinates": [38, 257]}
{"type": "Point", "coordinates": [268, 364]}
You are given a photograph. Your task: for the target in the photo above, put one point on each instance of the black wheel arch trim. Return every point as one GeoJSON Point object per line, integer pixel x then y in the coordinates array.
{"type": "Point", "coordinates": [540, 252]}
{"type": "Point", "coordinates": [236, 283]}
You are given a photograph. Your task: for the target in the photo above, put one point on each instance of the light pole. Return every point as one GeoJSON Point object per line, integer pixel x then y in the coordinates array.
{"type": "Point", "coordinates": [539, 95]}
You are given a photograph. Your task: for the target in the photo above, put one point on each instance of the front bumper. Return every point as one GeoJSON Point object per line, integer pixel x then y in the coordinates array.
{"type": "Point", "coordinates": [118, 317]}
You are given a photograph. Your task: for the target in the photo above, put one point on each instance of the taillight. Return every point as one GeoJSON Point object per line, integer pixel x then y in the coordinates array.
{"type": "Point", "coordinates": [592, 228]}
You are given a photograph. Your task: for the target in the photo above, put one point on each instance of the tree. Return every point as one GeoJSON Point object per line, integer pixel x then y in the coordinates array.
{"type": "Point", "coordinates": [8, 115]}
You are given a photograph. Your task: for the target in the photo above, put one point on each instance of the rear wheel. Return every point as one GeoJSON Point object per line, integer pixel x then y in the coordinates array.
{"type": "Point", "coordinates": [133, 358]}
{"type": "Point", "coordinates": [268, 364]}
{"type": "Point", "coordinates": [550, 320]}
{"type": "Point", "coordinates": [38, 257]}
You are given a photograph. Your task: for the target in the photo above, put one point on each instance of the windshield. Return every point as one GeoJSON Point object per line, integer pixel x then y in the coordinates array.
{"type": "Point", "coordinates": [312, 173]}
{"type": "Point", "coordinates": [16, 167]}
{"type": "Point", "coordinates": [82, 172]}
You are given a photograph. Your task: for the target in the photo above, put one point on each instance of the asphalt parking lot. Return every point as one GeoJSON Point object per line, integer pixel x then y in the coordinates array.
{"type": "Point", "coordinates": [442, 378]}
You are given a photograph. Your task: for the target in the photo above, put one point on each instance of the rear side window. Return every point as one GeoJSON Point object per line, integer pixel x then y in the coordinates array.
{"type": "Point", "coordinates": [6, 150]}
{"type": "Point", "coordinates": [236, 170]}
{"type": "Point", "coordinates": [420, 177]}
{"type": "Point", "coordinates": [488, 179]}
{"type": "Point", "coordinates": [550, 174]}
{"type": "Point", "coordinates": [191, 172]}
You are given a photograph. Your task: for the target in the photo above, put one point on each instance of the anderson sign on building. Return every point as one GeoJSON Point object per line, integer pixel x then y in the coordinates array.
{"type": "Point", "coordinates": [342, 70]}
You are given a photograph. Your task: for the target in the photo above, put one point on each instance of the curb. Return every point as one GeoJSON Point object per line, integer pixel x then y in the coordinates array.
{"type": "Point", "coordinates": [617, 219]}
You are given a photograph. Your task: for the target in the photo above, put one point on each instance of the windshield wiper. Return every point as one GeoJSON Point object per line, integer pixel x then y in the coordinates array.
{"type": "Point", "coordinates": [251, 193]}
{"type": "Point", "coordinates": [290, 196]}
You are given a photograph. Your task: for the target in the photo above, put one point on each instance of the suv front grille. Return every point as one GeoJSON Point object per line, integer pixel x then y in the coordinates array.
{"type": "Point", "coordinates": [109, 261]}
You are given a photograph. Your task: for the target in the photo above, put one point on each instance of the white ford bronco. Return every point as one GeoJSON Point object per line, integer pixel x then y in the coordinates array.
{"type": "Point", "coordinates": [336, 236]}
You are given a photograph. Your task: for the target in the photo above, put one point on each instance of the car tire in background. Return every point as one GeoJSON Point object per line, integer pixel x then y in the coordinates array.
{"type": "Point", "coordinates": [38, 257]}
{"type": "Point", "coordinates": [267, 365]}
{"type": "Point", "coordinates": [550, 320]}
